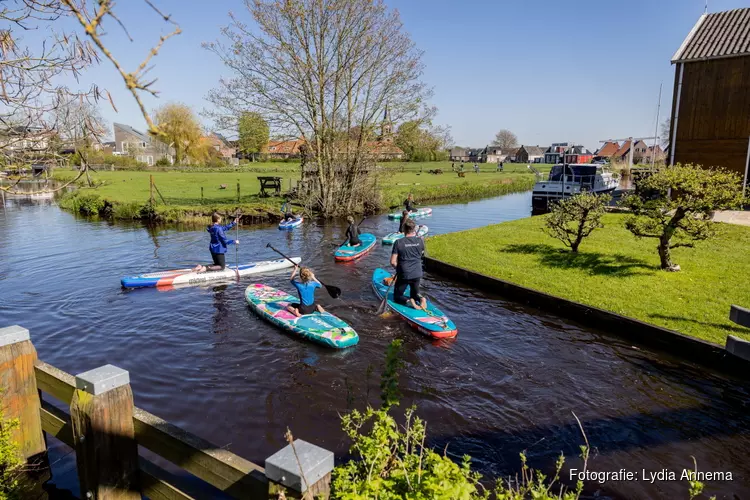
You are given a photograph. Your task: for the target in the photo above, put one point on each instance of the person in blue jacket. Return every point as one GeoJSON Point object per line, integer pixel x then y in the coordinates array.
{"type": "Point", "coordinates": [305, 286]}
{"type": "Point", "coordinates": [218, 246]}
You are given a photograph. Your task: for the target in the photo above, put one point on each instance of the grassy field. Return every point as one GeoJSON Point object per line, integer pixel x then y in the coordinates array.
{"type": "Point", "coordinates": [616, 271]}
{"type": "Point", "coordinates": [182, 189]}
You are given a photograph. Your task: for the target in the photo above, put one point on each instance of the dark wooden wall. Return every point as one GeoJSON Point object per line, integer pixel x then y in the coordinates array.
{"type": "Point", "coordinates": [713, 126]}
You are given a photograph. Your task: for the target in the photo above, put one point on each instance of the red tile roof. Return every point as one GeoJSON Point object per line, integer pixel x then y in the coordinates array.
{"type": "Point", "coordinates": [291, 147]}
{"type": "Point", "coordinates": [623, 149]}
{"type": "Point", "coordinates": [609, 149]}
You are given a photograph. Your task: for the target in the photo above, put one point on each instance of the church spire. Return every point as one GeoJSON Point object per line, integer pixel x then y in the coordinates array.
{"type": "Point", "coordinates": [386, 127]}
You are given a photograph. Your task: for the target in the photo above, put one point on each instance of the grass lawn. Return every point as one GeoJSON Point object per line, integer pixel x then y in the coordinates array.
{"type": "Point", "coordinates": [615, 271]}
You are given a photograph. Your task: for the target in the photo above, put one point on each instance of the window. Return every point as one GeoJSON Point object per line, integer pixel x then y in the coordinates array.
{"type": "Point", "coordinates": [123, 146]}
{"type": "Point", "coordinates": [143, 144]}
{"type": "Point", "coordinates": [150, 160]}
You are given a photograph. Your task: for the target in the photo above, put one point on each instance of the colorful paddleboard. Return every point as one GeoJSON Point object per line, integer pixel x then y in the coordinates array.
{"type": "Point", "coordinates": [347, 253]}
{"type": "Point", "coordinates": [421, 212]}
{"type": "Point", "coordinates": [188, 277]}
{"type": "Point", "coordinates": [291, 224]}
{"type": "Point", "coordinates": [391, 238]}
{"type": "Point", "coordinates": [326, 329]}
{"type": "Point", "coordinates": [431, 321]}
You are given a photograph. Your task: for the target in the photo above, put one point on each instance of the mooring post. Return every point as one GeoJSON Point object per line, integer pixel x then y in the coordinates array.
{"type": "Point", "coordinates": [106, 450]}
{"type": "Point", "coordinates": [238, 190]}
{"type": "Point", "coordinates": [18, 391]}
{"type": "Point", "coordinates": [201, 195]}
{"type": "Point", "coordinates": [302, 467]}
{"type": "Point", "coordinates": [151, 189]}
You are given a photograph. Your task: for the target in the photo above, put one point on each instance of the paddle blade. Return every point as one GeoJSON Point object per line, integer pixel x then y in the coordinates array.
{"type": "Point", "coordinates": [382, 308]}
{"type": "Point", "coordinates": [333, 291]}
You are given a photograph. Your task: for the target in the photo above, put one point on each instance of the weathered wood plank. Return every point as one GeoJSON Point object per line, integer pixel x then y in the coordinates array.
{"type": "Point", "coordinates": [106, 450]}
{"type": "Point", "coordinates": [220, 468]}
{"type": "Point", "coordinates": [19, 396]}
{"type": "Point", "coordinates": [54, 381]}
{"type": "Point", "coordinates": [56, 422]}
{"type": "Point", "coordinates": [156, 488]}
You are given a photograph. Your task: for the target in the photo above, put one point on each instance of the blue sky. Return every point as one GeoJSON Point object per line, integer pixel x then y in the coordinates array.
{"type": "Point", "coordinates": [549, 70]}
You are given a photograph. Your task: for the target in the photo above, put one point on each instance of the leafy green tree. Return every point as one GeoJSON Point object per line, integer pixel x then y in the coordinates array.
{"type": "Point", "coordinates": [675, 205]}
{"type": "Point", "coordinates": [575, 218]}
{"type": "Point", "coordinates": [422, 142]}
{"type": "Point", "coordinates": [181, 127]}
{"type": "Point", "coordinates": [253, 132]}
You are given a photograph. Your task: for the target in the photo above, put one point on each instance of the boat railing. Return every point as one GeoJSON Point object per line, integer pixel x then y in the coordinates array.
{"type": "Point", "coordinates": [106, 430]}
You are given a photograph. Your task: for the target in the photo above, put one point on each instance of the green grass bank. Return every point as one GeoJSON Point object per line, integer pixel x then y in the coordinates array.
{"type": "Point", "coordinates": [617, 272]}
{"type": "Point", "coordinates": [194, 193]}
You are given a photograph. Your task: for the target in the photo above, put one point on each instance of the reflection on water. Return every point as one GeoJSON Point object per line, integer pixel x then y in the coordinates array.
{"type": "Point", "coordinates": [509, 382]}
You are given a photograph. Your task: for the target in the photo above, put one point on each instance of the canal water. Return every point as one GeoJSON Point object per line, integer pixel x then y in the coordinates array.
{"type": "Point", "coordinates": [510, 381]}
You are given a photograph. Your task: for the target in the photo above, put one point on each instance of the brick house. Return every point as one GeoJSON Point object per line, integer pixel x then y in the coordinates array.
{"type": "Point", "coordinates": [529, 154]}
{"type": "Point", "coordinates": [223, 147]}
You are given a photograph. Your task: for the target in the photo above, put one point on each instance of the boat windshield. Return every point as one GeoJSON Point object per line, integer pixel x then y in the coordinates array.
{"type": "Point", "coordinates": [574, 173]}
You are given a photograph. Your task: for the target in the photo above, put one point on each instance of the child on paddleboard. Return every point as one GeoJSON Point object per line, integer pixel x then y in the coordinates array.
{"type": "Point", "coordinates": [409, 203]}
{"type": "Point", "coordinates": [404, 218]}
{"type": "Point", "coordinates": [407, 259]}
{"type": "Point", "coordinates": [286, 209]}
{"type": "Point", "coordinates": [305, 286]}
{"type": "Point", "coordinates": [352, 233]}
{"type": "Point", "coordinates": [218, 245]}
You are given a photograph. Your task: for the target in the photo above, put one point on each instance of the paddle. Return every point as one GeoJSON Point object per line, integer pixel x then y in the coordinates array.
{"type": "Point", "coordinates": [333, 291]}
{"type": "Point", "coordinates": [383, 305]}
{"type": "Point", "coordinates": [237, 232]}
{"type": "Point", "coordinates": [360, 222]}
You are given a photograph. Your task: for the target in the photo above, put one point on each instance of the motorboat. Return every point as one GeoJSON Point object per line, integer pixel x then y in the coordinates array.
{"type": "Point", "coordinates": [566, 180]}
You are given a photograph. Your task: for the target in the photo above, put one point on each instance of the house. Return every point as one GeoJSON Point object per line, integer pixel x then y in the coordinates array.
{"type": "Point", "coordinates": [384, 150]}
{"type": "Point", "coordinates": [282, 150]}
{"type": "Point", "coordinates": [459, 154]}
{"type": "Point", "coordinates": [529, 154]}
{"type": "Point", "coordinates": [654, 154]}
{"type": "Point", "coordinates": [25, 140]}
{"type": "Point", "coordinates": [142, 147]}
{"type": "Point", "coordinates": [623, 154]}
{"type": "Point", "coordinates": [607, 151]}
{"type": "Point", "coordinates": [710, 106]}
{"type": "Point", "coordinates": [578, 154]}
{"type": "Point", "coordinates": [224, 149]}
{"type": "Point", "coordinates": [494, 154]}
{"type": "Point", "coordinates": [555, 153]}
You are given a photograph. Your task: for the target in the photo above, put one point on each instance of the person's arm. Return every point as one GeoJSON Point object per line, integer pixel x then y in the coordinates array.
{"type": "Point", "coordinates": [294, 273]}
{"type": "Point", "coordinates": [230, 225]}
{"type": "Point", "coordinates": [223, 238]}
{"type": "Point", "coordinates": [394, 257]}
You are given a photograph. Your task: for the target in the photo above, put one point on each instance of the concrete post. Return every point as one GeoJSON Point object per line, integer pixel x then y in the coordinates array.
{"type": "Point", "coordinates": [302, 467]}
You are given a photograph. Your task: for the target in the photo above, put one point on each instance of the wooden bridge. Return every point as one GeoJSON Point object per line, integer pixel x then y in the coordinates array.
{"type": "Point", "coordinates": [105, 429]}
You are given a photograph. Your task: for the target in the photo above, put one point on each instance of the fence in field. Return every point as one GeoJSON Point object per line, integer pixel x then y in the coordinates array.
{"type": "Point", "coordinates": [105, 429]}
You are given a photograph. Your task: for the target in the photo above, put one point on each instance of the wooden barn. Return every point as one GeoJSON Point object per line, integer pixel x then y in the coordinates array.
{"type": "Point", "coordinates": [710, 122]}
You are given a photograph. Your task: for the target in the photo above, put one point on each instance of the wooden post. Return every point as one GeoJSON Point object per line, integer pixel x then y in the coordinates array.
{"type": "Point", "coordinates": [106, 451]}
{"type": "Point", "coordinates": [238, 190]}
{"type": "Point", "coordinates": [201, 195]}
{"type": "Point", "coordinates": [151, 189]}
{"type": "Point", "coordinates": [19, 396]}
{"type": "Point", "coordinates": [302, 467]}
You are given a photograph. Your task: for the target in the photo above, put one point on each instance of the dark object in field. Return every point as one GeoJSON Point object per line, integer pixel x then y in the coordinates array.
{"type": "Point", "coordinates": [223, 186]}
{"type": "Point", "coordinates": [435, 171]}
{"type": "Point", "coordinates": [462, 174]}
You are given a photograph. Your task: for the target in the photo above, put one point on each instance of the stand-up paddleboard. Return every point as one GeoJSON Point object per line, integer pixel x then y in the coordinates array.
{"type": "Point", "coordinates": [346, 253]}
{"type": "Point", "coordinates": [188, 277]}
{"type": "Point", "coordinates": [324, 328]}
{"type": "Point", "coordinates": [391, 238]}
{"type": "Point", "coordinates": [421, 212]}
{"type": "Point", "coordinates": [291, 224]}
{"type": "Point", "coordinates": [431, 322]}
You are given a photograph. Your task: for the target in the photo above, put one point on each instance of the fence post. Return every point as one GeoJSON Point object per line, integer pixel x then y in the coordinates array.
{"type": "Point", "coordinates": [106, 450]}
{"type": "Point", "coordinates": [302, 467]}
{"type": "Point", "coordinates": [19, 396]}
{"type": "Point", "coordinates": [151, 189]}
{"type": "Point", "coordinates": [201, 195]}
{"type": "Point", "coordinates": [238, 190]}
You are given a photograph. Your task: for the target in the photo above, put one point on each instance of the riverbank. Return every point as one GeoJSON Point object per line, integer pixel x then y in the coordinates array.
{"type": "Point", "coordinates": [181, 196]}
{"type": "Point", "coordinates": [616, 272]}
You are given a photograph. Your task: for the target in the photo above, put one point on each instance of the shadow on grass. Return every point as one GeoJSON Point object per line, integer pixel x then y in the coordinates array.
{"type": "Point", "coordinates": [615, 265]}
{"type": "Point", "coordinates": [732, 328]}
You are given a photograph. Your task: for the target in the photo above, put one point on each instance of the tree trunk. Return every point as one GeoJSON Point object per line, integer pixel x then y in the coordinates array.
{"type": "Point", "coordinates": [665, 241]}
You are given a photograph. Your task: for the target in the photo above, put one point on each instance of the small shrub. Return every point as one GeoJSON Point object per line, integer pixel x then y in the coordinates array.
{"type": "Point", "coordinates": [83, 203]}
{"type": "Point", "coordinates": [10, 463]}
{"type": "Point", "coordinates": [575, 218]}
{"type": "Point", "coordinates": [128, 211]}
{"type": "Point", "coordinates": [162, 162]}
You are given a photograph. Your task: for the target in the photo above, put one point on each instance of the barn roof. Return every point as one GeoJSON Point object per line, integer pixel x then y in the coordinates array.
{"type": "Point", "coordinates": [718, 35]}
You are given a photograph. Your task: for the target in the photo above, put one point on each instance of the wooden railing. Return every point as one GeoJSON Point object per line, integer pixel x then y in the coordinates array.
{"type": "Point", "coordinates": [105, 429]}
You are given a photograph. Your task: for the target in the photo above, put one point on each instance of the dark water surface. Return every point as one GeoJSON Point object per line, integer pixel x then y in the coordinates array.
{"type": "Point", "coordinates": [199, 358]}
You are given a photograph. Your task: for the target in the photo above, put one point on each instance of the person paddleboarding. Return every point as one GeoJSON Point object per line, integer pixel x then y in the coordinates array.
{"type": "Point", "coordinates": [352, 233]}
{"type": "Point", "coordinates": [409, 204]}
{"type": "Point", "coordinates": [305, 285]}
{"type": "Point", "coordinates": [218, 245]}
{"type": "Point", "coordinates": [406, 258]}
{"type": "Point", "coordinates": [404, 218]}
{"type": "Point", "coordinates": [286, 209]}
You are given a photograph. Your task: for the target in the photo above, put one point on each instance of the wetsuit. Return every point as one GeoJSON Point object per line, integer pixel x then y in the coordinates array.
{"type": "Point", "coordinates": [352, 233]}
{"type": "Point", "coordinates": [408, 268]}
{"type": "Point", "coordinates": [409, 205]}
{"type": "Point", "coordinates": [306, 293]}
{"type": "Point", "coordinates": [401, 226]}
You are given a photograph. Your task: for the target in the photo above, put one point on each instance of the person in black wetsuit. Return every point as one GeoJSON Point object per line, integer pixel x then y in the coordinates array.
{"type": "Point", "coordinates": [404, 218]}
{"type": "Point", "coordinates": [409, 204]}
{"type": "Point", "coordinates": [407, 259]}
{"type": "Point", "coordinates": [352, 232]}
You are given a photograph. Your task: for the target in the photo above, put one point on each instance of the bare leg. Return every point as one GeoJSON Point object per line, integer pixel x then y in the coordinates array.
{"type": "Point", "coordinates": [423, 303]}
{"type": "Point", "coordinates": [294, 311]}
{"type": "Point", "coordinates": [320, 309]}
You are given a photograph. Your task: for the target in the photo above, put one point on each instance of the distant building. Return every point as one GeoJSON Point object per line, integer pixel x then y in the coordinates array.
{"type": "Point", "coordinates": [459, 154]}
{"type": "Point", "coordinates": [384, 148]}
{"type": "Point", "coordinates": [136, 144]}
{"type": "Point", "coordinates": [529, 154]}
{"type": "Point", "coordinates": [282, 150]}
{"type": "Point", "coordinates": [711, 102]}
{"type": "Point", "coordinates": [25, 140]}
{"type": "Point", "coordinates": [555, 153]}
{"type": "Point", "coordinates": [607, 151]}
{"type": "Point", "coordinates": [578, 154]}
{"type": "Point", "coordinates": [224, 149]}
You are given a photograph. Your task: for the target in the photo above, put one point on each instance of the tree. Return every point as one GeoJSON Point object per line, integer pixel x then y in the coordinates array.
{"type": "Point", "coordinates": [253, 133]}
{"type": "Point", "coordinates": [674, 205]}
{"type": "Point", "coordinates": [664, 133]}
{"type": "Point", "coordinates": [575, 218]}
{"type": "Point", "coordinates": [505, 139]}
{"type": "Point", "coordinates": [422, 142]}
{"type": "Point", "coordinates": [182, 130]}
{"type": "Point", "coordinates": [316, 69]}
